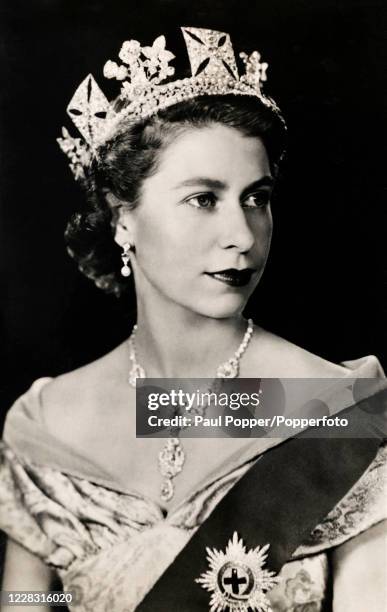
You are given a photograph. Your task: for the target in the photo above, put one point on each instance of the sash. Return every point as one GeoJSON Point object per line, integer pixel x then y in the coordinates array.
{"type": "Point", "coordinates": [288, 491]}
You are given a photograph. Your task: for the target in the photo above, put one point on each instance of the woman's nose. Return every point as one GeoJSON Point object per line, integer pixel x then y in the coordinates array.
{"type": "Point", "coordinates": [234, 230]}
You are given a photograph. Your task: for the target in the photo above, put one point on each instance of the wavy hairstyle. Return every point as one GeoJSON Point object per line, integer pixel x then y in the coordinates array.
{"type": "Point", "coordinates": [132, 155]}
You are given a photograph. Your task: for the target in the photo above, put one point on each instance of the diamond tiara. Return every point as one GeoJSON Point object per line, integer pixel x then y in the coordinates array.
{"type": "Point", "coordinates": [145, 89]}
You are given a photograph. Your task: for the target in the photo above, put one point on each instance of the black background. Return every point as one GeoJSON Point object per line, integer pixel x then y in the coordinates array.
{"type": "Point", "coordinates": [323, 285]}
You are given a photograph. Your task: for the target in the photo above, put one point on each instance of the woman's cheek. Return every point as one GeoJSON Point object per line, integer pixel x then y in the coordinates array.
{"type": "Point", "coordinates": [263, 231]}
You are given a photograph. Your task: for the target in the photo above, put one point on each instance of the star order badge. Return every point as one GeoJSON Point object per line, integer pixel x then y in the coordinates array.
{"type": "Point", "coordinates": [236, 578]}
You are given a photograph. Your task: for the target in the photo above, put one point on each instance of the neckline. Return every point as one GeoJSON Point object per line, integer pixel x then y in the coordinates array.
{"type": "Point", "coordinates": [249, 454]}
{"type": "Point", "coordinates": [25, 435]}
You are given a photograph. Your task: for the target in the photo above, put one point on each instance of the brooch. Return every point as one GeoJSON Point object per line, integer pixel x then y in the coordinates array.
{"type": "Point", "coordinates": [236, 578]}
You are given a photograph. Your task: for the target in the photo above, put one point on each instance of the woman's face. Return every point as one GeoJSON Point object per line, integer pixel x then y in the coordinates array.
{"type": "Point", "coordinates": [203, 227]}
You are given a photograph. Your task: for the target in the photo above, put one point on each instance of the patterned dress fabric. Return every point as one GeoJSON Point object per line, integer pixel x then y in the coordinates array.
{"type": "Point", "coordinates": [109, 545]}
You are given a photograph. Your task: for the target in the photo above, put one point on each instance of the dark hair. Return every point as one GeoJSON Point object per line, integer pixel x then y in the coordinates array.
{"type": "Point", "coordinates": [131, 156]}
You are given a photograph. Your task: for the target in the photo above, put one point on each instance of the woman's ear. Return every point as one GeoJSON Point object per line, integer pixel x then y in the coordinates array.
{"type": "Point", "coordinates": [122, 221]}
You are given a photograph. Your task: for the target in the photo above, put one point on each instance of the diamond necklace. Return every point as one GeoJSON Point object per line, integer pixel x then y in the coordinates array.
{"type": "Point", "coordinates": [171, 458]}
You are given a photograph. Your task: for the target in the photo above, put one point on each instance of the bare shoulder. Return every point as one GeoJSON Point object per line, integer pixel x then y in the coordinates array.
{"type": "Point", "coordinates": [272, 356]}
{"type": "Point", "coordinates": [71, 402]}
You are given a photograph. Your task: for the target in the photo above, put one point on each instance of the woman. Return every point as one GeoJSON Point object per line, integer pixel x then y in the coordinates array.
{"type": "Point", "coordinates": [180, 177]}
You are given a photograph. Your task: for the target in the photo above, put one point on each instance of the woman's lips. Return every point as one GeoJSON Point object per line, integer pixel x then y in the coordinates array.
{"type": "Point", "coordinates": [233, 277]}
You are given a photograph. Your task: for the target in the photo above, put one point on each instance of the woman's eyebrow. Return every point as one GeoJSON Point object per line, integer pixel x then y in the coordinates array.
{"type": "Point", "coordinates": [202, 181]}
{"type": "Point", "coordinates": [265, 181]}
{"type": "Point", "coordinates": [209, 183]}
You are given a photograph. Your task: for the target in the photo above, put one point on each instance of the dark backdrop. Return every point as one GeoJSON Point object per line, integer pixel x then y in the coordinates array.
{"type": "Point", "coordinates": [323, 285]}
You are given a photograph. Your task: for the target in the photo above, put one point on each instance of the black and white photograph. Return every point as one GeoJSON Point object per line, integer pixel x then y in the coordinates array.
{"type": "Point", "coordinates": [193, 313]}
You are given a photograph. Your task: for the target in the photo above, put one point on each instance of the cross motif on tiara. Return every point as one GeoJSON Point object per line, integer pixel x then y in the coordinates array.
{"type": "Point", "coordinates": [88, 108]}
{"type": "Point", "coordinates": [210, 53]}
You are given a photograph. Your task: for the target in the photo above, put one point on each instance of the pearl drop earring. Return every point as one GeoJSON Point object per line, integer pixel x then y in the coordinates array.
{"type": "Point", "coordinates": [125, 270]}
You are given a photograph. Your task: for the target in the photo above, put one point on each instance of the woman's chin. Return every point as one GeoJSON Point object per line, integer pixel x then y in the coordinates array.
{"type": "Point", "coordinates": [223, 308]}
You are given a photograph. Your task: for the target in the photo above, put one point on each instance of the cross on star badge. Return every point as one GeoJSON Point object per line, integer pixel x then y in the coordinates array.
{"type": "Point", "coordinates": [236, 579]}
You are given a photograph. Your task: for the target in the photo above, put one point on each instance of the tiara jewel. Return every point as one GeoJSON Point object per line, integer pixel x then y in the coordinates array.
{"type": "Point", "coordinates": [210, 53]}
{"type": "Point", "coordinates": [144, 74]}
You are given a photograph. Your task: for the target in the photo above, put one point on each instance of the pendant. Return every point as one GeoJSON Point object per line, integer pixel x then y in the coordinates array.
{"type": "Point", "coordinates": [171, 461]}
{"type": "Point", "coordinates": [167, 490]}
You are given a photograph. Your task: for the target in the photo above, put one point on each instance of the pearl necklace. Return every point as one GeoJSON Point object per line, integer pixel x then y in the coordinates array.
{"type": "Point", "coordinates": [171, 458]}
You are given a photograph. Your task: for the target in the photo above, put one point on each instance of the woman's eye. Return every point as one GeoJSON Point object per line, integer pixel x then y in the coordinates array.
{"type": "Point", "coordinates": [203, 200]}
{"type": "Point", "coordinates": [257, 200]}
